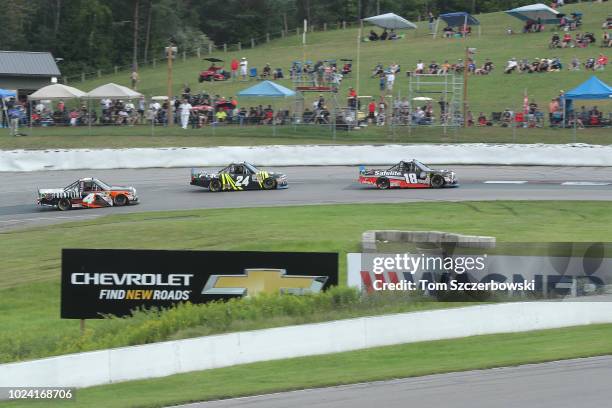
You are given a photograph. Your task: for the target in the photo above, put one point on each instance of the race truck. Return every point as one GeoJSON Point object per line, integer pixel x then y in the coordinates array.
{"type": "Point", "coordinates": [238, 176]}
{"type": "Point", "coordinates": [87, 193]}
{"type": "Point", "coordinates": [408, 174]}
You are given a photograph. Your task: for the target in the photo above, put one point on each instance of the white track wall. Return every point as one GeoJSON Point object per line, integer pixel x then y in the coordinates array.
{"type": "Point", "coordinates": [307, 155]}
{"type": "Point", "coordinates": [172, 357]}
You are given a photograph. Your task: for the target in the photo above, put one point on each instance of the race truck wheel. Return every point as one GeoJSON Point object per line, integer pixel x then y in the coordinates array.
{"type": "Point", "coordinates": [269, 184]}
{"type": "Point", "coordinates": [383, 183]}
{"type": "Point", "coordinates": [120, 200]}
{"type": "Point", "coordinates": [437, 181]}
{"type": "Point", "coordinates": [64, 204]}
{"type": "Point", "coordinates": [215, 185]}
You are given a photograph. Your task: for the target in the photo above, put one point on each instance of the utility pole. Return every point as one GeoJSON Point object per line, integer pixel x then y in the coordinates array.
{"type": "Point", "coordinates": [377, 7]}
{"type": "Point", "coordinates": [135, 53]}
{"type": "Point", "coordinates": [465, 86]}
{"type": "Point", "coordinates": [170, 51]}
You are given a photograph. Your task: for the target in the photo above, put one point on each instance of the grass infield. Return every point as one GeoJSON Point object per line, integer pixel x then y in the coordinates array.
{"type": "Point", "coordinates": [30, 326]}
{"type": "Point", "coordinates": [383, 363]}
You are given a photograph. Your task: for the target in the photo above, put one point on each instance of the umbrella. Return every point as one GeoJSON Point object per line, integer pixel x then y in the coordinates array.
{"type": "Point", "coordinates": [390, 21]}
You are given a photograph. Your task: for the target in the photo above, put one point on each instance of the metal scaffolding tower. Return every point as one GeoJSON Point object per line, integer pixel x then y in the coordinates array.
{"type": "Point", "coordinates": [446, 92]}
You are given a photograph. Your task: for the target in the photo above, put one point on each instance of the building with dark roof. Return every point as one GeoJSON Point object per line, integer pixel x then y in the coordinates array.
{"type": "Point", "coordinates": [25, 71]}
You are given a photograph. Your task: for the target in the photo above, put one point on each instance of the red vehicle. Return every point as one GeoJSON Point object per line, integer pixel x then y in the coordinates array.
{"type": "Point", "coordinates": [214, 72]}
{"type": "Point", "coordinates": [408, 174]}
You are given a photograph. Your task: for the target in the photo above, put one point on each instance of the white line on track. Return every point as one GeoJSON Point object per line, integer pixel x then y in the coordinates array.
{"type": "Point", "coordinates": [506, 182]}
{"type": "Point", "coordinates": [585, 183]}
{"type": "Point", "coordinates": [50, 218]}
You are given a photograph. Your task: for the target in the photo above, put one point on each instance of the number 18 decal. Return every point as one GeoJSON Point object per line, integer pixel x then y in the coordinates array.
{"type": "Point", "coordinates": [411, 178]}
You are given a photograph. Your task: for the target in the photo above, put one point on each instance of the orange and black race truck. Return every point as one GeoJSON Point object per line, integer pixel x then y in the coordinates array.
{"type": "Point", "coordinates": [408, 174]}
{"type": "Point", "coordinates": [87, 193]}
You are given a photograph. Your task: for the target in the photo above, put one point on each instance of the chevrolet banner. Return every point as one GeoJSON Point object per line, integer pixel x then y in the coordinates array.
{"type": "Point", "coordinates": [96, 282]}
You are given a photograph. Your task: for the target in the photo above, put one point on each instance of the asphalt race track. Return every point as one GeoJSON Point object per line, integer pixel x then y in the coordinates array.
{"type": "Point", "coordinates": [583, 383]}
{"type": "Point", "coordinates": [169, 189]}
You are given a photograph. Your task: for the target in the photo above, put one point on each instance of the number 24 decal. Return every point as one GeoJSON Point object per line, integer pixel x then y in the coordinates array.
{"type": "Point", "coordinates": [242, 181]}
{"type": "Point", "coordinates": [411, 178]}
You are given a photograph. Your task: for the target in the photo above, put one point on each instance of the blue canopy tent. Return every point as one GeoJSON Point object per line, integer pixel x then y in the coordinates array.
{"type": "Point", "coordinates": [592, 89]}
{"type": "Point", "coordinates": [5, 93]}
{"type": "Point", "coordinates": [534, 11]}
{"type": "Point", "coordinates": [267, 89]}
{"type": "Point", "coordinates": [457, 19]}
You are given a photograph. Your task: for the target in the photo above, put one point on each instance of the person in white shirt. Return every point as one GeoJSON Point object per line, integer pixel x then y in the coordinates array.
{"type": "Point", "coordinates": [512, 65]}
{"type": "Point", "coordinates": [244, 66]}
{"type": "Point", "coordinates": [40, 107]}
{"type": "Point", "coordinates": [390, 80]}
{"type": "Point", "coordinates": [106, 103]}
{"type": "Point", "coordinates": [419, 67]}
{"type": "Point", "coordinates": [185, 111]}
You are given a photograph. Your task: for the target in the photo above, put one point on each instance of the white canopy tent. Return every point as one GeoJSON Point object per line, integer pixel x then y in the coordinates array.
{"type": "Point", "coordinates": [57, 91]}
{"type": "Point", "coordinates": [390, 21]}
{"type": "Point", "coordinates": [534, 11]}
{"type": "Point", "coordinates": [113, 91]}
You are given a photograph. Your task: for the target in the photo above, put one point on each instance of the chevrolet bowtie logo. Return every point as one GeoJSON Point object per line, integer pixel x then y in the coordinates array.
{"type": "Point", "coordinates": [256, 281]}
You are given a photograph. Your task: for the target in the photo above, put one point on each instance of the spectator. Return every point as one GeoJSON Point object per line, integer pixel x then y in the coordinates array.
{"type": "Point", "coordinates": [234, 67]}
{"type": "Point", "coordinates": [431, 19]}
{"type": "Point", "coordinates": [390, 79]}
{"type": "Point", "coordinates": [511, 66]}
{"type": "Point", "coordinates": [185, 109]}
{"type": "Point", "coordinates": [553, 107]}
{"type": "Point", "coordinates": [606, 40]}
{"type": "Point", "coordinates": [134, 78]}
{"type": "Point", "coordinates": [371, 111]}
{"type": "Point", "coordinates": [601, 63]}
{"type": "Point", "coordinates": [393, 35]}
{"type": "Point", "coordinates": [567, 40]}
{"type": "Point", "coordinates": [445, 67]}
{"type": "Point", "coordinates": [61, 106]}
{"type": "Point", "coordinates": [482, 119]}
{"type": "Point", "coordinates": [221, 116]}
{"type": "Point", "coordinates": [14, 116]}
{"type": "Point", "coordinates": [590, 64]}
{"type": "Point", "coordinates": [575, 64]}
{"type": "Point", "coordinates": [420, 67]}
{"type": "Point", "coordinates": [266, 72]}
{"type": "Point", "coordinates": [352, 98]}
{"type": "Point", "coordinates": [244, 66]}
{"type": "Point", "coordinates": [381, 82]}
{"type": "Point", "coordinates": [433, 67]}
{"type": "Point", "coordinates": [74, 116]}
{"type": "Point", "coordinates": [373, 36]}
{"type": "Point", "coordinates": [448, 32]}
{"type": "Point", "coordinates": [384, 35]}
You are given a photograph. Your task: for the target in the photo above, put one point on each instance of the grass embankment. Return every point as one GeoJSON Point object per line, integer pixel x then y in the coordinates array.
{"type": "Point", "coordinates": [415, 359]}
{"type": "Point", "coordinates": [29, 288]}
{"type": "Point", "coordinates": [492, 93]}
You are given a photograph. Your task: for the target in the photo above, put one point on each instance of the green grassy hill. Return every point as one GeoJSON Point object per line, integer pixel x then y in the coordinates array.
{"type": "Point", "coordinates": [486, 93]}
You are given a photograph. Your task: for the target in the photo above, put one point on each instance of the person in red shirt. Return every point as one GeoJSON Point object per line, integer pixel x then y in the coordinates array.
{"type": "Point", "coordinates": [602, 61]}
{"type": "Point", "coordinates": [371, 110]}
{"type": "Point", "coordinates": [234, 67]}
{"type": "Point", "coordinates": [352, 98]}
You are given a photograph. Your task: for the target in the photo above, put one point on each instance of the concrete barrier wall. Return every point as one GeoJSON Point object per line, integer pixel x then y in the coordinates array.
{"type": "Point", "coordinates": [307, 155]}
{"type": "Point", "coordinates": [172, 357]}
